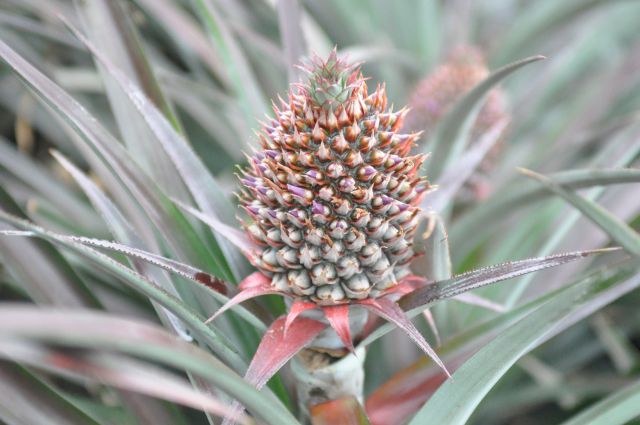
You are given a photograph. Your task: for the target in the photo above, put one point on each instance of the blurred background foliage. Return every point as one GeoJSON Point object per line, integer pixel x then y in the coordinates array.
{"type": "Point", "coordinates": [211, 68]}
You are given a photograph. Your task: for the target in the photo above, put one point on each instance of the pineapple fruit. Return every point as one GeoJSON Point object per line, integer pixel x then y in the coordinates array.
{"type": "Point", "coordinates": [333, 195]}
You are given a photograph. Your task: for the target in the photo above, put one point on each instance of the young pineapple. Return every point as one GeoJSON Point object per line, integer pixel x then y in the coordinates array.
{"type": "Point", "coordinates": [436, 94]}
{"type": "Point", "coordinates": [333, 195]}
{"type": "Point", "coordinates": [440, 90]}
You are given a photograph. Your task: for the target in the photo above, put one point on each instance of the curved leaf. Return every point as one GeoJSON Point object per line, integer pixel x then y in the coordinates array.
{"type": "Point", "coordinates": [454, 402]}
{"type": "Point", "coordinates": [119, 226]}
{"type": "Point", "coordinates": [447, 140]}
{"type": "Point", "coordinates": [246, 86]}
{"type": "Point", "coordinates": [391, 312]}
{"type": "Point", "coordinates": [118, 372]}
{"type": "Point", "coordinates": [202, 185]}
{"type": "Point", "coordinates": [100, 331]}
{"type": "Point", "coordinates": [486, 276]}
{"type": "Point", "coordinates": [455, 176]}
{"type": "Point", "coordinates": [276, 349]}
{"type": "Point", "coordinates": [29, 171]}
{"type": "Point", "coordinates": [400, 397]}
{"type": "Point", "coordinates": [184, 29]}
{"type": "Point", "coordinates": [109, 26]}
{"type": "Point", "coordinates": [338, 318]}
{"type": "Point", "coordinates": [416, 301]}
{"type": "Point", "coordinates": [159, 209]}
{"type": "Point", "coordinates": [21, 391]}
{"type": "Point", "coordinates": [617, 230]}
{"type": "Point", "coordinates": [542, 18]}
{"type": "Point", "coordinates": [63, 286]}
{"type": "Point", "coordinates": [138, 282]}
{"type": "Point", "coordinates": [488, 213]}
{"type": "Point", "coordinates": [617, 409]}
{"type": "Point", "coordinates": [181, 269]}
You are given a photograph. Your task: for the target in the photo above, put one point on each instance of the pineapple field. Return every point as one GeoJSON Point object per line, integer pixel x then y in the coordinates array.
{"type": "Point", "coordinates": [291, 212]}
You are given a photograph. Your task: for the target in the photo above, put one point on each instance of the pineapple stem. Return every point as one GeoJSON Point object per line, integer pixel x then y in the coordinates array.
{"type": "Point", "coordinates": [319, 378]}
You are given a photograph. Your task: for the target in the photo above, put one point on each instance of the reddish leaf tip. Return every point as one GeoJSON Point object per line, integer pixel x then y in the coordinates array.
{"type": "Point", "coordinates": [243, 295]}
{"type": "Point", "coordinates": [297, 308]}
{"type": "Point", "coordinates": [392, 312]}
{"type": "Point", "coordinates": [211, 282]}
{"type": "Point", "coordinates": [253, 280]}
{"type": "Point", "coordinates": [275, 351]}
{"type": "Point", "coordinates": [338, 317]}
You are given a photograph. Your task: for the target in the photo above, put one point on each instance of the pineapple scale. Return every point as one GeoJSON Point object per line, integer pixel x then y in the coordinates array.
{"type": "Point", "coordinates": [332, 198]}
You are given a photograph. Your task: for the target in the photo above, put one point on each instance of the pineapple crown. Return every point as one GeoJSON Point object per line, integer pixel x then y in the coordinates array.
{"type": "Point", "coordinates": [332, 81]}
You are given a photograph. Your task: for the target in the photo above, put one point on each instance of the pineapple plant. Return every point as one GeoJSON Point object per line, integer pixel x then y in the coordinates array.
{"type": "Point", "coordinates": [141, 282]}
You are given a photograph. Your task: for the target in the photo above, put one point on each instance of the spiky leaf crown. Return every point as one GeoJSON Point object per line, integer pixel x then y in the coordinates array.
{"type": "Point", "coordinates": [332, 196]}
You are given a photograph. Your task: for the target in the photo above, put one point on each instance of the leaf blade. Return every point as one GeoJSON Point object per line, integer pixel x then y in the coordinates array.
{"type": "Point", "coordinates": [276, 349]}
{"type": "Point", "coordinates": [118, 372]}
{"type": "Point", "coordinates": [617, 409]}
{"type": "Point", "coordinates": [134, 337]}
{"type": "Point", "coordinates": [140, 283]}
{"type": "Point", "coordinates": [454, 402]}
{"type": "Point", "coordinates": [22, 390]}
{"type": "Point", "coordinates": [419, 299]}
{"type": "Point", "coordinates": [447, 136]}
{"type": "Point", "coordinates": [618, 230]}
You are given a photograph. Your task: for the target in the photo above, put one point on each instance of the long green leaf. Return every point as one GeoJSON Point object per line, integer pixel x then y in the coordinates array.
{"type": "Point", "coordinates": [416, 301]}
{"type": "Point", "coordinates": [27, 399]}
{"type": "Point", "coordinates": [485, 276]}
{"type": "Point", "coordinates": [120, 228]}
{"type": "Point", "coordinates": [138, 282]}
{"type": "Point", "coordinates": [191, 274]}
{"type": "Point", "coordinates": [184, 31]}
{"type": "Point", "coordinates": [200, 182]}
{"type": "Point", "coordinates": [620, 152]}
{"type": "Point", "coordinates": [202, 185]}
{"type": "Point", "coordinates": [123, 231]}
{"type": "Point", "coordinates": [244, 82]}
{"type": "Point", "coordinates": [488, 212]}
{"type": "Point", "coordinates": [447, 139]}
{"type": "Point", "coordinates": [118, 372]}
{"type": "Point", "coordinates": [158, 207]}
{"type": "Point", "coordinates": [46, 186]}
{"type": "Point", "coordinates": [47, 277]}
{"type": "Point", "coordinates": [108, 26]}
{"type": "Point", "coordinates": [541, 19]}
{"type": "Point", "coordinates": [406, 392]}
{"type": "Point", "coordinates": [455, 176]}
{"type": "Point", "coordinates": [617, 409]}
{"type": "Point", "coordinates": [169, 222]}
{"type": "Point", "coordinates": [454, 402]}
{"type": "Point", "coordinates": [617, 230]}
{"type": "Point", "coordinates": [104, 332]}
